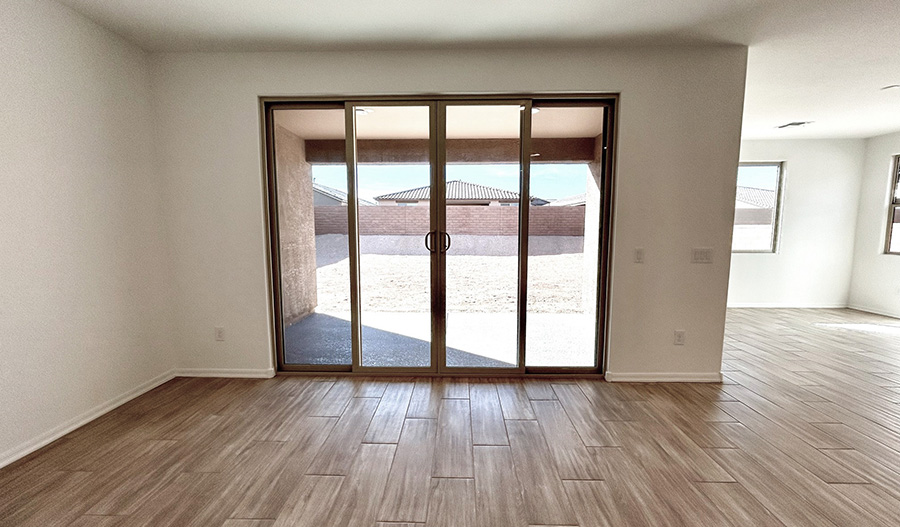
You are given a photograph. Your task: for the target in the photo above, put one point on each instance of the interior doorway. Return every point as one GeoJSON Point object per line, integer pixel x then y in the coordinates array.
{"type": "Point", "coordinates": [464, 235]}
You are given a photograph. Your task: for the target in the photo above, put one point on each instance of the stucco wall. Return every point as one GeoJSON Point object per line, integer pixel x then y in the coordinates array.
{"type": "Point", "coordinates": [296, 227]}
{"type": "Point", "coordinates": [593, 202]}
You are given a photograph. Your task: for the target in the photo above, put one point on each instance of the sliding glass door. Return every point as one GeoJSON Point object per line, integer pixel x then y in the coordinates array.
{"type": "Point", "coordinates": [391, 148]}
{"type": "Point", "coordinates": [484, 165]}
{"type": "Point", "coordinates": [457, 236]}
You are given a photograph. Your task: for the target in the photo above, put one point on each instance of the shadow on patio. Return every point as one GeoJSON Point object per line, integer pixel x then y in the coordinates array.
{"type": "Point", "coordinates": [325, 339]}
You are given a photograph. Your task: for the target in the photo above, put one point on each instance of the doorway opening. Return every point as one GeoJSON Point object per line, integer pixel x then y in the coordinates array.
{"type": "Point", "coordinates": [444, 236]}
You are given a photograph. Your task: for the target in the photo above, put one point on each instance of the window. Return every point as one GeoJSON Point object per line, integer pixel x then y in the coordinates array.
{"type": "Point", "coordinates": [892, 244]}
{"type": "Point", "coordinates": [756, 207]}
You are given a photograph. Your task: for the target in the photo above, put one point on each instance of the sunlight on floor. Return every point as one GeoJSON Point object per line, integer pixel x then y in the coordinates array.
{"type": "Point", "coordinates": [867, 328]}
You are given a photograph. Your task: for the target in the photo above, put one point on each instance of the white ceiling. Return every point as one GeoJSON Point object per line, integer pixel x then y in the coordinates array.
{"type": "Point", "coordinates": [810, 60]}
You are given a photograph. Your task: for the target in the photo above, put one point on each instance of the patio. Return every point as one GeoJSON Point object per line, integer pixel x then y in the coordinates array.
{"type": "Point", "coordinates": [481, 306]}
{"type": "Point", "coordinates": [403, 340]}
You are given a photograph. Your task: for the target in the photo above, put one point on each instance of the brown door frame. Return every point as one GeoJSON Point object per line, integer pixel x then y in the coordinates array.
{"type": "Point", "coordinates": [438, 367]}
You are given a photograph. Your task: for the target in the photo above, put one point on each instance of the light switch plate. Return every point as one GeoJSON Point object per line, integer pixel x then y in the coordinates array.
{"type": "Point", "coordinates": [702, 255]}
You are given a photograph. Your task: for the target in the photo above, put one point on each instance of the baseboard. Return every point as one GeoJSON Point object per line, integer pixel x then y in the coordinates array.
{"type": "Point", "coordinates": [873, 311]}
{"type": "Point", "coordinates": [770, 305]}
{"type": "Point", "coordinates": [663, 377]}
{"type": "Point", "coordinates": [46, 438]}
{"type": "Point", "coordinates": [266, 373]}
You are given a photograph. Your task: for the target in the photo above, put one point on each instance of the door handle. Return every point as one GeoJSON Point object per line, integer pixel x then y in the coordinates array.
{"type": "Point", "coordinates": [427, 239]}
{"type": "Point", "coordinates": [449, 241]}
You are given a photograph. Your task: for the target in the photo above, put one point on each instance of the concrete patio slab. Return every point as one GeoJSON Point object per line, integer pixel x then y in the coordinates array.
{"type": "Point", "coordinates": [474, 340]}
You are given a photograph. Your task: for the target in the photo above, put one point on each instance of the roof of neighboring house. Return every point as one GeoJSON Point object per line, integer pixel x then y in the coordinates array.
{"type": "Point", "coordinates": [336, 194]}
{"type": "Point", "coordinates": [757, 197]}
{"type": "Point", "coordinates": [456, 190]}
{"type": "Point", "coordinates": [570, 201]}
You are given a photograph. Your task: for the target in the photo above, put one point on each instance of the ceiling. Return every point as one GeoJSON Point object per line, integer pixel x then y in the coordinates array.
{"type": "Point", "coordinates": [463, 122]}
{"type": "Point", "coordinates": [810, 60]}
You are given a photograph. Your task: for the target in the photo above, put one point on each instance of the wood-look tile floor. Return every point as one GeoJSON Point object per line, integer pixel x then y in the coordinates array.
{"type": "Point", "coordinates": [805, 431]}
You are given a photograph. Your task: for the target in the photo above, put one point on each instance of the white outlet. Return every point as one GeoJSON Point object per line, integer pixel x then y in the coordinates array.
{"type": "Point", "coordinates": [220, 333]}
{"type": "Point", "coordinates": [639, 255]}
{"type": "Point", "coordinates": [679, 337]}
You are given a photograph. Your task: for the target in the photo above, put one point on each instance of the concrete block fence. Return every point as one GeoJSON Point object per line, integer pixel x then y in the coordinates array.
{"type": "Point", "coordinates": [461, 220]}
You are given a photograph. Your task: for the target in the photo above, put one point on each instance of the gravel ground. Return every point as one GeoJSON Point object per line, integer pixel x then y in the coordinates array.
{"type": "Point", "coordinates": [475, 284]}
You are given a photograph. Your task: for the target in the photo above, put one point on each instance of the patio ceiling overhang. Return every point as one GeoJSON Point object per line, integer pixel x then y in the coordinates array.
{"type": "Point", "coordinates": [475, 134]}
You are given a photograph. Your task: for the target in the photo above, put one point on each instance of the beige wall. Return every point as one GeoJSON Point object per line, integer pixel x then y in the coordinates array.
{"type": "Point", "coordinates": [678, 144]}
{"type": "Point", "coordinates": [875, 285]}
{"type": "Point", "coordinates": [820, 199]}
{"type": "Point", "coordinates": [86, 304]}
{"type": "Point", "coordinates": [296, 227]}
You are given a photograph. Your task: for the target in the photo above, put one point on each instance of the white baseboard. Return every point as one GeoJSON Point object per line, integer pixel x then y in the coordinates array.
{"type": "Point", "coordinates": [874, 311]}
{"type": "Point", "coordinates": [50, 436]}
{"type": "Point", "coordinates": [770, 305]}
{"type": "Point", "coordinates": [663, 377]}
{"type": "Point", "coordinates": [266, 373]}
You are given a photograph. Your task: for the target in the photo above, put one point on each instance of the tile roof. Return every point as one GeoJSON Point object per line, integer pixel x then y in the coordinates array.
{"type": "Point", "coordinates": [456, 190]}
{"type": "Point", "coordinates": [570, 201]}
{"type": "Point", "coordinates": [336, 194]}
{"type": "Point", "coordinates": [757, 197]}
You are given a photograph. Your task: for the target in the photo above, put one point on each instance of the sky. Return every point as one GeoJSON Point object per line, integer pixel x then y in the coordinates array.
{"type": "Point", "coordinates": [548, 181]}
{"type": "Point", "coordinates": [758, 176]}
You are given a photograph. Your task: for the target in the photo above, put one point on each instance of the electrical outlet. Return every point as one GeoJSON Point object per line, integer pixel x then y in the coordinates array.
{"type": "Point", "coordinates": [220, 333]}
{"type": "Point", "coordinates": [702, 255]}
{"type": "Point", "coordinates": [679, 337]}
{"type": "Point", "coordinates": [639, 255]}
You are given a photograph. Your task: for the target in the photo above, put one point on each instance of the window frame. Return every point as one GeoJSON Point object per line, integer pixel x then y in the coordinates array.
{"type": "Point", "coordinates": [776, 221]}
{"type": "Point", "coordinates": [893, 204]}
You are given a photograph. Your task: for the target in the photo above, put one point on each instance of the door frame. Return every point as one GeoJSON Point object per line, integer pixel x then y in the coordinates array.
{"type": "Point", "coordinates": [610, 131]}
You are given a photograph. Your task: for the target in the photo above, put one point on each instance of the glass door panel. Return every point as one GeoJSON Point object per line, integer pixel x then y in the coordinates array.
{"type": "Point", "coordinates": [313, 236]}
{"type": "Point", "coordinates": [483, 176]}
{"type": "Point", "coordinates": [393, 190]}
{"type": "Point", "coordinates": [564, 236]}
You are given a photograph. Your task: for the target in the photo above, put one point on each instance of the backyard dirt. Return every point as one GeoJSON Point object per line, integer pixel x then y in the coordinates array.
{"type": "Point", "coordinates": [475, 284]}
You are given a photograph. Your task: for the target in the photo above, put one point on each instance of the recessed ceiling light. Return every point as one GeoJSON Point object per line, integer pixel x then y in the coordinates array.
{"type": "Point", "coordinates": [794, 123]}
{"type": "Point", "coordinates": [890, 87]}
{"type": "Point", "coordinates": [535, 155]}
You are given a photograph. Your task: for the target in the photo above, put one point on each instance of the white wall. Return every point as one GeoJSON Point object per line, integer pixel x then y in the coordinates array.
{"type": "Point", "coordinates": [679, 138]}
{"type": "Point", "coordinates": [84, 286]}
{"type": "Point", "coordinates": [876, 276]}
{"type": "Point", "coordinates": [813, 263]}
